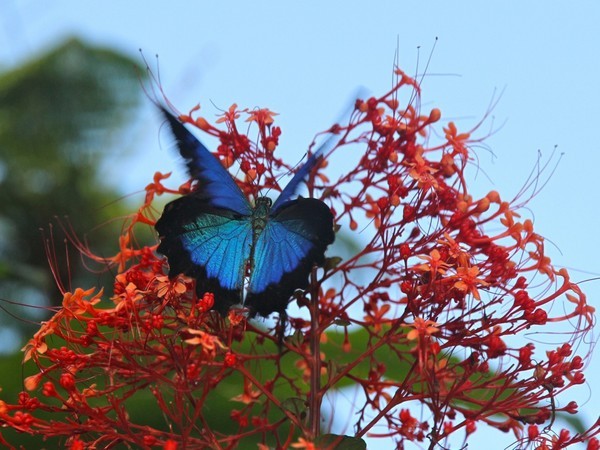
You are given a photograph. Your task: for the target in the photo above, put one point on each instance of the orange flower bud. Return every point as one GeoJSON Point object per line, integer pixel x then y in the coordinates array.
{"type": "Point", "coordinates": [483, 205]}
{"type": "Point", "coordinates": [493, 196]}
{"type": "Point", "coordinates": [435, 115]}
{"type": "Point", "coordinates": [462, 206]}
{"type": "Point", "coordinates": [201, 123]}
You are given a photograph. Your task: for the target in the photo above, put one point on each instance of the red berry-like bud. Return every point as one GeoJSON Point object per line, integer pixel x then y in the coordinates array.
{"type": "Point", "coordinates": [405, 251]}
{"type": "Point", "coordinates": [230, 359]}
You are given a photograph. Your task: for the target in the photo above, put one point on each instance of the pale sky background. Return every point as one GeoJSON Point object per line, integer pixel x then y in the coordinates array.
{"type": "Point", "coordinates": [305, 59]}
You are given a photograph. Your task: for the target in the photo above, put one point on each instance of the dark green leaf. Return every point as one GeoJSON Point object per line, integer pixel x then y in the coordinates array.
{"type": "Point", "coordinates": [332, 262]}
{"type": "Point", "coordinates": [333, 441]}
{"type": "Point", "coordinates": [297, 406]}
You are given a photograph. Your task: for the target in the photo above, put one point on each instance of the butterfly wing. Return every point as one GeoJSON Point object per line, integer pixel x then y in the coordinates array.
{"type": "Point", "coordinates": [208, 234]}
{"type": "Point", "coordinates": [293, 240]}
{"type": "Point", "coordinates": [216, 184]}
{"type": "Point", "coordinates": [292, 187]}
{"type": "Point", "coordinates": [209, 244]}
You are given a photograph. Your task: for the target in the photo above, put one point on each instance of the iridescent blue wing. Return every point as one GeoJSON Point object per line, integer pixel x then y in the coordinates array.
{"type": "Point", "coordinates": [209, 244]}
{"type": "Point", "coordinates": [219, 244]}
{"type": "Point", "coordinates": [294, 239]}
{"type": "Point", "coordinates": [209, 234]}
{"type": "Point", "coordinates": [216, 184]}
{"type": "Point", "coordinates": [292, 187]}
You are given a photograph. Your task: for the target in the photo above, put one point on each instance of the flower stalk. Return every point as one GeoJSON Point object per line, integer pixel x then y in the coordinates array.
{"type": "Point", "coordinates": [427, 314]}
{"type": "Point", "coordinates": [315, 354]}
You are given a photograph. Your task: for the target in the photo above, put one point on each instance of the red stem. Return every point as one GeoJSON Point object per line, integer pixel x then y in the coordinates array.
{"type": "Point", "coordinates": [315, 351]}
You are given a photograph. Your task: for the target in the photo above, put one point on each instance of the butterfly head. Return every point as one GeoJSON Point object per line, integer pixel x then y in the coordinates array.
{"type": "Point", "coordinates": [263, 203]}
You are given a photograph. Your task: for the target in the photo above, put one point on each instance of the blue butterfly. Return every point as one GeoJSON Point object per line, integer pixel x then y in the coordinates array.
{"type": "Point", "coordinates": [230, 247]}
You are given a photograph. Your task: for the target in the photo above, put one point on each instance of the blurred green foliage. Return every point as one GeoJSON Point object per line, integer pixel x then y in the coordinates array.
{"type": "Point", "coordinates": [61, 115]}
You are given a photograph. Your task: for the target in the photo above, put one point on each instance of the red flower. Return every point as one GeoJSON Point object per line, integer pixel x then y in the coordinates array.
{"type": "Point", "coordinates": [394, 317]}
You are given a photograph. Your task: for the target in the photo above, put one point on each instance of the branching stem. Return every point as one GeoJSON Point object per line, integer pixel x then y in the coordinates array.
{"type": "Point", "coordinates": [315, 352]}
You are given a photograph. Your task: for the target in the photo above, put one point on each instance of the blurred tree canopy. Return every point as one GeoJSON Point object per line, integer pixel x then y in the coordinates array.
{"type": "Point", "coordinates": [61, 114]}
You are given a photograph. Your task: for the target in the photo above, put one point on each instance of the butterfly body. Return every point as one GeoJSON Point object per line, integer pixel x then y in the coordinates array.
{"type": "Point", "coordinates": [260, 217]}
{"type": "Point", "coordinates": [255, 255]}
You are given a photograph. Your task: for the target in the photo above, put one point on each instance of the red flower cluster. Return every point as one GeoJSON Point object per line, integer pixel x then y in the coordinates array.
{"type": "Point", "coordinates": [425, 318]}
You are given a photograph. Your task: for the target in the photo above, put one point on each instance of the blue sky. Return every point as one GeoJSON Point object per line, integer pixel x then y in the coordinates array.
{"type": "Point", "coordinates": [305, 59]}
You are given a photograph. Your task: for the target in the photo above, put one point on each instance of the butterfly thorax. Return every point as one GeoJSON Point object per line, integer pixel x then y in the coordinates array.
{"type": "Point", "coordinates": [260, 215]}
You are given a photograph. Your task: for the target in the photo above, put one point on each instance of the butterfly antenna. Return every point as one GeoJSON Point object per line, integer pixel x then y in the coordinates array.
{"type": "Point", "coordinates": [343, 118]}
{"type": "Point", "coordinates": [324, 149]}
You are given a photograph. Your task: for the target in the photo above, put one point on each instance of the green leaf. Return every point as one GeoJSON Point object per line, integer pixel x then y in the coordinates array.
{"type": "Point", "coordinates": [341, 322]}
{"type": "Point", "coordinates": [337, 442]}
{"type": "Point", "coordinates": [297, 406]}
{"type": "Point", "coordinates": [332, 262]}
{"type": "Point", "coordinates": [360, 340]}
{"type": "Point", "coordinates": [296, 339]}
{"type": "Point", "coordinates": [575, 422]}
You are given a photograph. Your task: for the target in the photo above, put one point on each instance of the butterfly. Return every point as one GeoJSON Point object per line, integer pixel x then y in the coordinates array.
{"type": "Point", "coordinates": [255, 255]}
